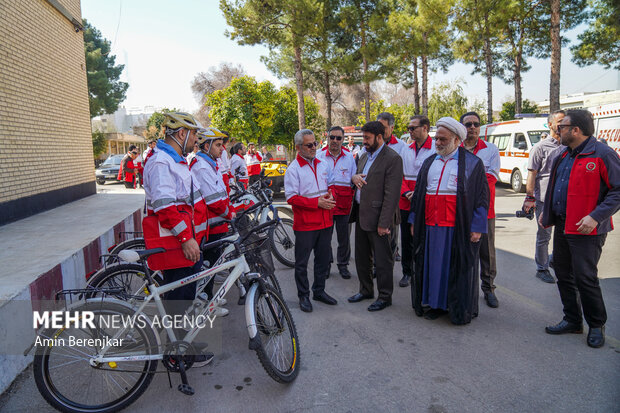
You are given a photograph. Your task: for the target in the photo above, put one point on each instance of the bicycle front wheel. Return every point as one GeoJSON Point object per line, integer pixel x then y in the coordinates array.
{"type": "Point", "coordinates": [67, 380]}
{"type": "Point", "coordinates": [282, 238]}
{"type": "Point", "coordinates": [278, 349]}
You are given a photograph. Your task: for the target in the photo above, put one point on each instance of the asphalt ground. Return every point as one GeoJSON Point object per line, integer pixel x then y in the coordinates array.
{"type": "Point", "coordinates": [392, 361]}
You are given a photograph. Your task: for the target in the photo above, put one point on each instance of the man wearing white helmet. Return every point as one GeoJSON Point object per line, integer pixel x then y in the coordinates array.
{"type": "Point", "coordinates": [175, 211]}
{"type": "Point", "coordinates": [208, 177]}
{"type": "Point", "coordinates": [447, 227]}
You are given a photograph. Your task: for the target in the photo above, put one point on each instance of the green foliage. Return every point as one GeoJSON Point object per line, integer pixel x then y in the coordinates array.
{"type": "Point", "coordinates": [600, 43]}
{"type": "Point", "coordinates": [253, 111]}
{"type": "Point", "coordinates": [153, 125]}
{"type": "Point", "coordinates": [402, 114]}
{"type": "Point", "coordinates": [508, 109]}
{"type": "Point", "coordinates": [448, 99]}
{"type": "Point", "coordinates": [100, 143]}
{"type": "Point", "coordinates": [105, 91]}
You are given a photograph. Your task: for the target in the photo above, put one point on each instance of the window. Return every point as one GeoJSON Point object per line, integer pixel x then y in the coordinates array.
{"type": "Point", "coordinates": [519, 140]}
{"type": "Point", "coordinates": [535, 135]}
{"type": "Point", "coordinates": [501, 141]}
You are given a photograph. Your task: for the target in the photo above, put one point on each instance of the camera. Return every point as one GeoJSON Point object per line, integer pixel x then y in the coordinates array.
{"type": "Point", "coordinates": [522, 214]}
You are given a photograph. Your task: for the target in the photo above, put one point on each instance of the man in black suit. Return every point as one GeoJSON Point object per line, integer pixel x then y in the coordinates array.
{"type": "Point", "coordinates": [378, 181]}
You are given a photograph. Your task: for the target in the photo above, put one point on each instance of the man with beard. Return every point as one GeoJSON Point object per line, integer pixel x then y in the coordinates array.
{"type": "Point", "coordinates": [447, 226]}
{"type": "Point", "coordinates": [378, 181]}
{"type": "Point", "coordinates": [583, 194]}
{"type": "Point", "coordinates": [238, 168]}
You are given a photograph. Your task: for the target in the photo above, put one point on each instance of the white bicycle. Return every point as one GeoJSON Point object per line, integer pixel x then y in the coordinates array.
{"type": "Point", "coordinates": [109, 376]}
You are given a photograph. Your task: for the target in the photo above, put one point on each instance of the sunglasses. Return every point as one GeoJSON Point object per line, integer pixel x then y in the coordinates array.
{"type": "Point", "coordinates": [470, 124]}
{"type": "Point", "coordinates": [311, 145]}
{"type": "Point", "coordinates": [565, 126]}
{"type": "Point", "coordinates": [135, 153]}
{"type": "Point", "coordinates": [338, 138]}
{"type": "Point", "coordinates": [412, 128]}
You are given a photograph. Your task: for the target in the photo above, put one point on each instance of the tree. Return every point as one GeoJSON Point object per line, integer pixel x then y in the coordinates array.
{"type": "Point", "coordinates": [100, 143]}
{"type": "Point", "coordinates": [563, 15]}
{"type": "Point", "coordinates": [600, 43]}
{"type": "Point", "coordinates": [255, 111]}
{"type": "Point", "coordinates": [215, 78]}
{"type": "Point", "coordinates": [509, 109]}
{"type": "Point", "coordinates": [402, 114]}
{"type": "Point", "coordinates": [363, 33]}
{"type": "Point", "coordinates": [447, 100]}
{"type": "Point", "coordinates": [524, 35]}
{"type": "Point", "coordinates": [105, 91]}
{"type": "Point", "coordinates": [479, 24]}
{"type": "Point", "coordinates": [276, 24]}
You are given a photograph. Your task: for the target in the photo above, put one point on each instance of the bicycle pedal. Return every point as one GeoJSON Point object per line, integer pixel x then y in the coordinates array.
{"type": "Point", "coordinates": [186, 389]}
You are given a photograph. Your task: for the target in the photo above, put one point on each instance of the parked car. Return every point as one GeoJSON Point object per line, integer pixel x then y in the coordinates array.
{"type": "Point", "coordinates": [274, 169]}
{"type": "Point", "coordinates": [108, 170]}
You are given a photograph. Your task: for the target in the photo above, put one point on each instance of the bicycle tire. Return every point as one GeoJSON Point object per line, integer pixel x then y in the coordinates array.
{"type": "Point", "coordinates": [127, 276]}
{"type": "Point", "coordinates": [282, 239]}
{"type": "Point", "coordinates": [281, 344]}
{"type": "Point", "coordinates": [130, 244]}
{"type": "Point", "coordinates": [75, 392]}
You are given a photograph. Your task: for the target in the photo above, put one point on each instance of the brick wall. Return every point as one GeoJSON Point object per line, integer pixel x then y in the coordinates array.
{"type": "Point", "coordinates": [45, 139]}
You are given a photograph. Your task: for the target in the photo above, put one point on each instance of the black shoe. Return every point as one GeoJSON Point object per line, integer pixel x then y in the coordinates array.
{"type": "Point", "coordinates": [404, 281]}
{"type": "Point", "coordinates": [359, 297]}
{"type": "Point", "coordinates": [545, 275]}
{"type": "Point", "coordinates": [596, 337]}
{"type": "Point", "coordinates": [379, 305]}
{"type": "Point", "coordinates": [201, 360]}
{"type": "Point", "coordinates": [325, 298]}
{"type": "Point", "coordinates": [491, 300]}
{"type": "Point", "coordinates": [434, 313]}
{"type": "Point", "coordinates": [305, 304]}
{"type": "Point", "coordinates": [344, 273]}
{"type": "Point", "coordinates": [564, 327]}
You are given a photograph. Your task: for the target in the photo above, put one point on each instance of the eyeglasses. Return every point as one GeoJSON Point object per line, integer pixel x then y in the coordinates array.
{"type": "Point", "coordinates": [311, 145]}
{"type": "Point", "coordinates": [564, 126]}
{"type": "Point", "coordinates": [338, 138]}
{"type": "Point", "coordinates": [412, 128]}
{"type": "Point", "coordinates": [470, 124]}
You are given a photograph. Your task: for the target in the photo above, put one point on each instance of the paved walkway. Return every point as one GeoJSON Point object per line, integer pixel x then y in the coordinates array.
{"type": "Point", "coordinates": [392, 361]}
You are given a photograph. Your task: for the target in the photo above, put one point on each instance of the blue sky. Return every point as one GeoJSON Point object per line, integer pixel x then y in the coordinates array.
{"type": "Point", "coordinates": [164, 44]}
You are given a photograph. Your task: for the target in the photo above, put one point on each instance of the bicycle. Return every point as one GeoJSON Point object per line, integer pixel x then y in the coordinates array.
{"type": "Point", "coordinates": [119, 374]}
{"type": "Point", "coordinates": [131, 278]}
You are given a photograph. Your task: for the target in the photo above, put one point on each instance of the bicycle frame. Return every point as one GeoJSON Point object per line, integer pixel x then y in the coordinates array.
{"type": "Point", "coordinates": [239, 266]}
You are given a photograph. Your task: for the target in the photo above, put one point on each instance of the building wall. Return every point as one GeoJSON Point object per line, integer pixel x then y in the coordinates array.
{"type": "Point", "coordinates": [46, 156]}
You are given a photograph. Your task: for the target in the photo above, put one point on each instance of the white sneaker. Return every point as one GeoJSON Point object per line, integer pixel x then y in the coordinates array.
{"type": "Point", "coordinates": [222, 302]}
{"type": "Point", "coordinates": [220, 312]}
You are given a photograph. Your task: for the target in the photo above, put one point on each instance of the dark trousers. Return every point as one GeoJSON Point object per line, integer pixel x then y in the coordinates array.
{"type": "Point", "coordinates": [343, 235]}
{"type": "Point", "coordinates": [253, 178]}
{"type": "Point", "coordinates": [575, 261]}
{"type": "Point", "coordinates": [212, 256]}
{"type": "Point", "coordinates": [177, 301]}
{"type": "Point", "coordinates": [318, 241]}
{"type": "Point", "coordinates": [488, 266]}
{"type": "Point", "coordinates": [406, 243]}
{"type": "Point", "coordinates": [368, 246]}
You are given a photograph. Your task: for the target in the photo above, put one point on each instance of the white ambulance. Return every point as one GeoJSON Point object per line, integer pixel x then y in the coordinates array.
{"type": "Point", "coordinates": [607, 124]}
{"type": "Point", "coordinates": [515, 139]}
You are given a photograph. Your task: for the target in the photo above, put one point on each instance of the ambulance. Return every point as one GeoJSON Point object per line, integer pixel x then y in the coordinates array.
{"type": "Point", "coordinates": [607, 124]}
{"type": "Point", "coordinates": [515, 139]}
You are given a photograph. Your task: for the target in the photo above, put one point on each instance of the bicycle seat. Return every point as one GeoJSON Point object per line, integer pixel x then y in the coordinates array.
{"type": "Point", "coordinates": [137, 255]}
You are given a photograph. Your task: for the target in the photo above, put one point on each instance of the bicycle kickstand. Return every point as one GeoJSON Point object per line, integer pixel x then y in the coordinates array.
{"type": "Point", "coordinates": [184, 387]}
